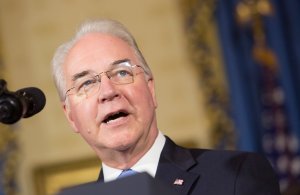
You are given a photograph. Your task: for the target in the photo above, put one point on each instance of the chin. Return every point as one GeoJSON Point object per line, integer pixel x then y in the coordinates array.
{"type": "Point", "coordinates": [123, 145]}
{"type": "Point", "coordinates": [120, 140]}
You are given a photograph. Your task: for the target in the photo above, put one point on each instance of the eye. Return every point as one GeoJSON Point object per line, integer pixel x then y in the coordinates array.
{"type": "Point", "coordinates": [121, 73]}
{"type": "Point", "coordinates": [86, 84]}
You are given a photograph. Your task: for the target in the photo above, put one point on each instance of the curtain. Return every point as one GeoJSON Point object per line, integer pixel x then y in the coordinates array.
{"type": "Point", "coordinates": [260, 45]}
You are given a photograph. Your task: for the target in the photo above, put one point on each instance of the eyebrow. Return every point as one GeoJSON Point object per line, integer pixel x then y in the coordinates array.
{"type": "Point", "coordinates": [120, 61]}
{"type": "Point", "coordinates": [80, 74]}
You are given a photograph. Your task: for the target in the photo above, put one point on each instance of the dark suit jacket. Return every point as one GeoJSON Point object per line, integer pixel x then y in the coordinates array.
{"type": "Point", "coordinates": [211, 172]}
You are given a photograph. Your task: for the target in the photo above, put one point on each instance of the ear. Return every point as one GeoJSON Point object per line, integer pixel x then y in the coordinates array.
{"type": "Point", "coordinates": [151, 87]}
{"type": "Point", "coordinates": [68, 114]}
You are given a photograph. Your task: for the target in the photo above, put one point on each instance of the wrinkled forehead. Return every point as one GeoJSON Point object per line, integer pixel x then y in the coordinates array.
{"type": "Point", "coordinates": [96, 52]}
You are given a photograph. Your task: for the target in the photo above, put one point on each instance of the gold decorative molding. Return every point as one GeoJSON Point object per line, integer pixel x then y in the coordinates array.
{"type": "Point", "coordinates": [9, 158]}
{"type": "Point", "coordinates": [203, 45]}
{"type": "Point", "coordinates": [49, 179]}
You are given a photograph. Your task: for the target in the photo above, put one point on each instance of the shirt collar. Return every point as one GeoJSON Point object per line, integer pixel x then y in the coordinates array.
{"type": "Point", "coordinates": [148, 163]}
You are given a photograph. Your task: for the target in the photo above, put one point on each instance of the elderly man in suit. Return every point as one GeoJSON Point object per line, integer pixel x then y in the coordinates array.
{"type": "Point", "coordinates": [108, 96]}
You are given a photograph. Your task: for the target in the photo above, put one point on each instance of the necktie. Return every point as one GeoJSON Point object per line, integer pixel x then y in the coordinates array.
{"type": "Point", "coordinates": [126, 173]}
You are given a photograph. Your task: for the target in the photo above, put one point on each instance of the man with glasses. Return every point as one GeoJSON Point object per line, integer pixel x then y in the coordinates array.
{"type": "Point", "coordinates": [108, 96]}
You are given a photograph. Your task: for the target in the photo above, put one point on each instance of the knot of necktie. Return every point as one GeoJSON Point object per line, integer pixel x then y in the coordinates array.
{"type": "Point", "coordinates": [126, 173]}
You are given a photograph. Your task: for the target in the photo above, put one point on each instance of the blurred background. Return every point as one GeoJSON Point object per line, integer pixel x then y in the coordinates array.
{"type": "Point", "coordinates": [227, 76]}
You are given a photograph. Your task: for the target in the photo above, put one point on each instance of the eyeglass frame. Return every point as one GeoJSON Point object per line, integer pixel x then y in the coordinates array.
{"type": "Point", "coordinates": [99, 75]}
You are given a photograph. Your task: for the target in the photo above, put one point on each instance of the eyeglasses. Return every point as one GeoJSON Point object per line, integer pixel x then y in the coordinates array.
{"type": "Point", "coordinates": [89, 84]}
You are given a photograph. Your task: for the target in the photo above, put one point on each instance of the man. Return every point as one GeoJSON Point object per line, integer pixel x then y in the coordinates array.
{"type": "Point", "coordinates": [108, 96]}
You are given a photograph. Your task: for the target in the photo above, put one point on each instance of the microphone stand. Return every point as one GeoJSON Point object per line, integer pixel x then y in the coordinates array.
{"type": "Point", "coordinates": [9, 145]}
{"type": "Point", "coordinates": [3, 109]}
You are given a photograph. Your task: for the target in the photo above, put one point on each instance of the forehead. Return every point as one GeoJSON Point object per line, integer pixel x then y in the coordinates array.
{"type": "Point", "coordinates": [95, 52]}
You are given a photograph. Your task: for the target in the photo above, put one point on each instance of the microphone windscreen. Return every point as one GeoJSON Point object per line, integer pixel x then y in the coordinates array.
{"type": "Point", "coordinates": [34, 99]}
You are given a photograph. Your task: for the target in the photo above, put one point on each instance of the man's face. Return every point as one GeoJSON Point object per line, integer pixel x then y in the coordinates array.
{"type": "Point", "coordinates": [117, 117]}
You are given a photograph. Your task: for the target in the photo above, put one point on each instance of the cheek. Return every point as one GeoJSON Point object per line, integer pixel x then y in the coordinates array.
{"type": "Point", "coordinates": [84, 116]}
{"type": "Point", "coordinates": [143, 100]}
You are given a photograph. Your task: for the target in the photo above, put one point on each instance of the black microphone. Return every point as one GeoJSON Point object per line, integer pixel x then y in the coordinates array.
{"type": "Point", "coordinates": [33, 100]}
{"type": "Point", "coordinates": [24, 103]}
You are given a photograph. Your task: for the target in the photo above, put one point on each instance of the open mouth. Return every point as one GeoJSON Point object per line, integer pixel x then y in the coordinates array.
{"type": "Point", "coordinates": [114, 116]}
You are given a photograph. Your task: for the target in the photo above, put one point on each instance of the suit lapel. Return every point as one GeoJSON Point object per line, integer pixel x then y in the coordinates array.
{"type": "Point", "coordinates": [100, 177]}
{"type": "Point", "coordinates": [173, 168]}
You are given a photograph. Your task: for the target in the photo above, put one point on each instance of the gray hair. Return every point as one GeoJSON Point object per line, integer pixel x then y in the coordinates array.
{"type": "Point", "coordinates": [106, 26]}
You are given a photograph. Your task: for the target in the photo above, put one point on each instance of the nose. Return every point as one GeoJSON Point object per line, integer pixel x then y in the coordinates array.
{"type": "Point", "coordinates": [107, 91]}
